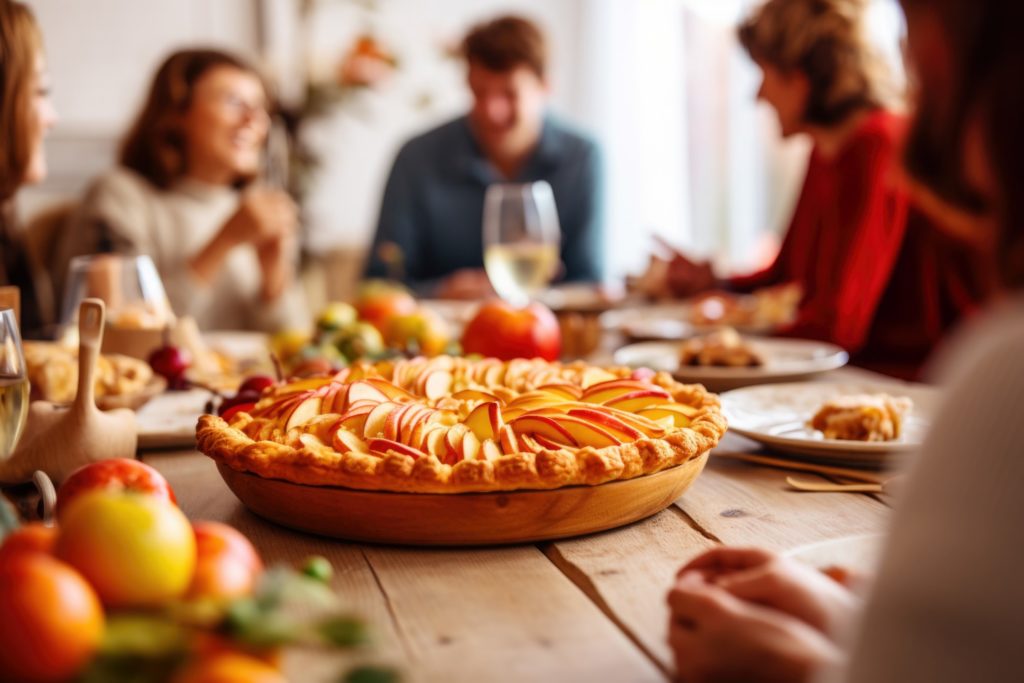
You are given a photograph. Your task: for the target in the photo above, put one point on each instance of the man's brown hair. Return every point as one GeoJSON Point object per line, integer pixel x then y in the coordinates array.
{"type": "Point", "coordinates": [155, 146]}
{"type": "Point", "coordinates": [506, 43]}
{"type": "Point", "coordinates": [21, 44]}
{"type": "Point", "coordinates": [826, 41]}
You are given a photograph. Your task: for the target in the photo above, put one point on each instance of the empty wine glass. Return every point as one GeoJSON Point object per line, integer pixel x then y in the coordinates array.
{"type": "Point", "coordinates": [521, 239]}
{"type": "Point", "coordinates": [14, 387]}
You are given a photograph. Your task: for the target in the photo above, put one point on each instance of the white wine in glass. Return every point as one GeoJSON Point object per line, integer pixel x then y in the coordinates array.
{"type": "Point", "coordinates": [521, 239]}
{"type": "Point", "coordinates": [13, 384]}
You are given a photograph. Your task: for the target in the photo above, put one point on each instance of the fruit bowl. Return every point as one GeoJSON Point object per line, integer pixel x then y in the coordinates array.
{"type": "Point", "coordinates": [463, 519]}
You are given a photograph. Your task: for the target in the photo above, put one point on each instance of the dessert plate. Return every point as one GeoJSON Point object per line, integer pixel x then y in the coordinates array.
{"type": "Point", "coordinates": [776, 415]}
{"type": "Point", "coordinates": [784, 359]}
{"type": "Point", "coordinates": [461, 518]}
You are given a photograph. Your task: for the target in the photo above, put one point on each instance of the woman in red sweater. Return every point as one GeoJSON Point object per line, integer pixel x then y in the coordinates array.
{"type": "Point", "coordinates": [877, 278]}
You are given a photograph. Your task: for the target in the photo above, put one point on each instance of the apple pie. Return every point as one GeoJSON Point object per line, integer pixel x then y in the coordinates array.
{"type": "Point", "coordinates": [449, 425]}
{"type": "Point", "coordinates": [862, 417]}
{"type": "Point", "coordinates": [722, 348]}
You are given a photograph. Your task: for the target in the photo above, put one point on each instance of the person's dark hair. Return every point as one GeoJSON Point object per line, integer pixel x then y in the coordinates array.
{"type": "Point", "coordinates": [982, 89]}
{"type": "Point", "coordinates": [21, 44]}
{"type": "Point", "coordinates": [155, 146]}
{"type": "Point", "coordinates": [825, 40]}
{"type": "Point", "coordinates": [506, 43]}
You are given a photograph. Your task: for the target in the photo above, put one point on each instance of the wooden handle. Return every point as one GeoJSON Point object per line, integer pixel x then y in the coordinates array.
{"type": "Point", "coordinates": [90, 335]}
{"type": "Point", "coordinates": [862, 475]}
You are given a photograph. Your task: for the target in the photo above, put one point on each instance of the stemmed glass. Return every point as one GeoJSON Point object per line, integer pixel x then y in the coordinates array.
{"type": "Point", "coordinates": [14, 387]}
{"type": "Point", "coordinates": [521, 239]}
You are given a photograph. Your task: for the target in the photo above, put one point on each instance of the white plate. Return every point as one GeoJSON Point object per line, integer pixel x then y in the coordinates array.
{"type": "Point", "coordinates": [776, 415]}
{"type": "Point", "coordinates": [169, 420]}
{"type": "Point", "coordinates": [783, 359]}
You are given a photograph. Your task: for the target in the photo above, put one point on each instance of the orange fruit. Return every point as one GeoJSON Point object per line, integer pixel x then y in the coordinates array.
{"type": "Point", "coordinates": [51, 621]}
{"type": "Point", "coordinates": [229, 667]}
{"type": "Point", "coordinates": [227, 564]}
{"type": "Point", "coordinates": [33, 537]}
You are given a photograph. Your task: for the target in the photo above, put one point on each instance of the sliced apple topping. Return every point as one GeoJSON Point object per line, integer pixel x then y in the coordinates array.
{"type": "Point", "coordinates": [345, 441]}
{"type": "Point", "coordinates": [385, 446]}
{"type": "Point", "coordinates": [587, 433]}
{"type": "Point", "coordinates": [637, 400]}
{"type": "Point", "coordinates": [377, 418]}
{"type": "Point", "coordinates": [614, 389]}
{"type": "Point", "coordinates": [435, 384]}
{"type": "Point", "coordinates": [490, 450]}
{"type": "Point", "coordinates": [606, 420]}
{"type": "Point", "coordinates": [507, 440]}
{"type": "Point", "coordinates": [680, 414]}
{"type": "Point", "coordinates": [544, 426]}
{"type": "Point", "coordinates": [303, 412]}
{"type": "Point", "coordinates": [485, 420]}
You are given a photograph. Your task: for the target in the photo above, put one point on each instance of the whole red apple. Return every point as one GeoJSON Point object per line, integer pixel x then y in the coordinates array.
{"type": "Point", "coordinates": [379, 302]}
{"type": "Point", "coordinates": [227, 565]}
{"type": "Point", "coordinates": [503, 331]}
{"type": "Point", "coordinates": [115, 474]}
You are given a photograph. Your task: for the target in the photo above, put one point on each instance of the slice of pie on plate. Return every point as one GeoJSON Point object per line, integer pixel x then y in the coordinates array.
{"type": "Point", "coordinates": [862, 417]}
{"type": "Point", "coordinates": [451, 425]}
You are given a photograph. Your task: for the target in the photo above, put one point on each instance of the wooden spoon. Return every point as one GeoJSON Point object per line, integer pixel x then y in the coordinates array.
{"type": "Point", "coordinates": [832, 487]}
{"type": "Point", "coordinates": [59, 439]}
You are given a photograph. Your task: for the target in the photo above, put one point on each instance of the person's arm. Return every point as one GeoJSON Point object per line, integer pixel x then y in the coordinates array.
{"type": "Point", "coordinates": [948, 601]}
{"type": "Point", "coordinates": [583, 236]}
{"type": "Point", "coordinates": [394, 251]}
{"type": "Point", "coordinates": [871, 218]}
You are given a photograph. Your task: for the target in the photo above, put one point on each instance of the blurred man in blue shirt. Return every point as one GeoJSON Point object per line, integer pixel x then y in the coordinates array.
{"type": "Point", "coordinates": [429, 230]}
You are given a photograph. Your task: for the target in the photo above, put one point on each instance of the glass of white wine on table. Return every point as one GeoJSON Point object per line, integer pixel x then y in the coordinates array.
{"type": "Point", "coordinates": [521, 239]}
{"type": "Point", "coordinates": [14, 389]}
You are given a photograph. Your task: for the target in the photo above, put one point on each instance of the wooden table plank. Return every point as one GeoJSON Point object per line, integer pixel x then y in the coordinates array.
{"type": "Point", "coordinates": [490, 614]}
{"type": "Point", "coordinates": [501, 614]}
{"type": "Point", "coordinates": [627, 573]}
{"type": "Point", "coordinates": [742, 504]}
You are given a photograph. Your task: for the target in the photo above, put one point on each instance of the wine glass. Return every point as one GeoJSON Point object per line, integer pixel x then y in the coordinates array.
{"type": "Point", "coordinates": [521, 239]}
{"type": "Point", "coordinates": [13, 384]}
{"type": "Point", "coordinates": [129, 286]}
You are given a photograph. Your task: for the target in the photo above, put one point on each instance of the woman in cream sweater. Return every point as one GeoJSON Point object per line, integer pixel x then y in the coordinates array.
{"type": "Point", "coordinates": [184, 195]}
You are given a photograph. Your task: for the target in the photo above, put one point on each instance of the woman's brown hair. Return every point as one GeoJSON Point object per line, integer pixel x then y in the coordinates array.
{"type": "Point", "coordinates": [826, 41]}
{"type": "Point", "coordinates": [980, 92]}
{"type": "Point", "coordinates": [21, 44]}
{"type": "Point", "coordinates": [155, 146]}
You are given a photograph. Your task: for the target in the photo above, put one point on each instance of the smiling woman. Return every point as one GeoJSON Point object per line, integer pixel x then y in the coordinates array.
{"type": "Point", "coordinates": [186, 196]}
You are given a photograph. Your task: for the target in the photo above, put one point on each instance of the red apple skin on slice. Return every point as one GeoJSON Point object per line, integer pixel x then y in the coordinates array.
{"type": "Point", "coordinates": [587, 433]}
{"type": "Point", "coordinates": [304, 412]}
{"type": "Point", "coordinates": [383, 446]}
{"type": "Point", "coordinates": [375, 421]}
{"type": "Point", "coordinates": [609, 422]}
{"type": "Point", "coordinates": [507, 440]}
{"type": "Point", "coordinates": [545, 443]}
{"type": "Point", "coordinates": [541, 425]}
{"type": "Point", "coordinates": [681, 415]}
{"type": "Point", "coordinates": [485, 421]}
{"type": "Point", "coordinates": [363, 390]}
{"type": "Point", "coordinates": [453, 440]}
{"type": "Point", "coordinates": [637, 400]}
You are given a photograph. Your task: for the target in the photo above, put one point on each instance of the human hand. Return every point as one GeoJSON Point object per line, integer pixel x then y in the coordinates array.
{"type": "Point", "coordinates": [277, 266]}
{"type": "Point", "coordinates": [263, 214]}
{"type": "Point", "coordinates": [782, 583]}
{"type": "Point", "coordinates": [716, 637]}
{"type": "Point", "coordinates": [468, 283]}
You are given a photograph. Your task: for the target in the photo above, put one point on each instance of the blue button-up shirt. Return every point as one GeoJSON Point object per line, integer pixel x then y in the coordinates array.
{"type": "Point", "coordinates": [434, 201]}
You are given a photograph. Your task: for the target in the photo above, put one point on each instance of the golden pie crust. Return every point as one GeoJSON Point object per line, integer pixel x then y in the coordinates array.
{"type": "Point", "coordinates": [451, 425]}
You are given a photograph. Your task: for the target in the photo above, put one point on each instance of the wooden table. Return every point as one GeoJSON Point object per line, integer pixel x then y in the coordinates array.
{"type": "Point", "coordinates": [583, 609]}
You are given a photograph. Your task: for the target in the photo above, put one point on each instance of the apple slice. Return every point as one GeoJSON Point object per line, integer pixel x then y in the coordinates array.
{"type": "Point", "coordinates": [550, 444]}
{"type": "Point", "coordinates": [304, 412]}
{"type": "Point", "coordinates": [490, 450]}
{"type": "Point", "coordinates": [542, 425]}
{"type": "Point", "coordinates": [680, 414]}
{"type": "Point", "coordinates": [355, 420]}
{"type": "Point", "coordinates": [587, 433]}
{"type": "Point", "coordinates": [591, 376]}
{"type": "Point", "coordinates": [569, 392]}
{"type": "Point", "coordinates": [436, 443]}
{"type": "Point", "coordinates": [485, 420]}
{"type": "Point", "coordinates": [392, 391]}
{"type": "Point", "coordinates": [528, 444]}
{"type": "Point", "coordinates": [606, 391]}
{"type": "Point", "coordinates": [470, 446]}
{"type": "Point", "coordinates": [363, 390]}
{"type": "Point", "coordinates": [310, 384]}
{"type": "Point", "coordinates": [436, 384]}
{"type": "Point", "coordinates": [507, 440]}
{"type": "Point", "coordinates": [393, 422]}
{"type": "Point", "coordinates": [376, 419]}
{"type": "Point", "coordinates": [637, 400]}
{"type": "Point", "coordinates": [383, 446]}
{"type": "Point", "coordinates": [470, 395]}
{"type": "Point", "coordinates": [453, 440]}
{"type": "Point", "coordinates": [600, 417]}
{"type": "Point", "coordinates": [336, 398]}
{"type": "Point", "coordinates": [345, 441]}
{"type": "Point", "coordinates": [414, 416]}
{"type": "Point", "coordinates": [646, 425]}
{"type": "Point", "coordinates": [494, 374]}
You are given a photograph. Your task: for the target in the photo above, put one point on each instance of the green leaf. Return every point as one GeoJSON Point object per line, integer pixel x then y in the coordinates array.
{"type": "Point", "coordinates": [344, 631]}
{"type": "Point", "coordinates": [318, 567]}
{"type": "Point", "coordinates": [371, 674]}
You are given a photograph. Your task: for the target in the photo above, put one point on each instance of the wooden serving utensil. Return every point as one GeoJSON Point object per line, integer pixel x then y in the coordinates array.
{"type": "Point", "coordinates": [58, 439]}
